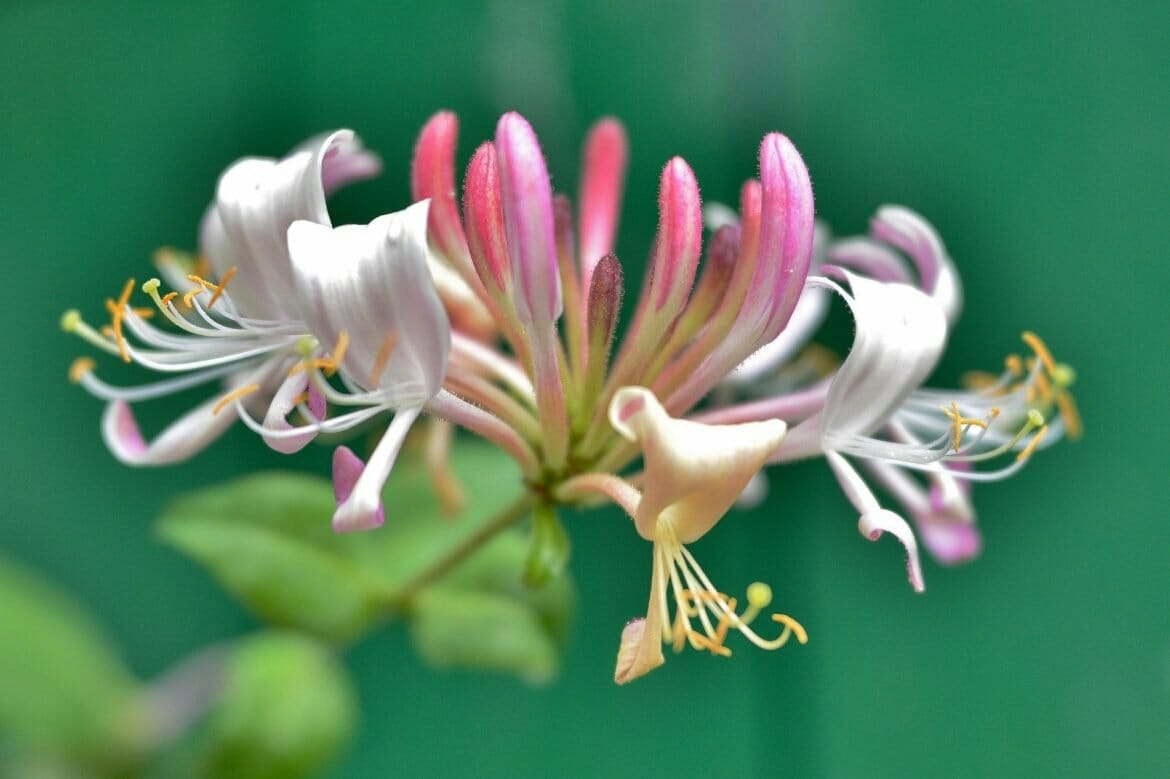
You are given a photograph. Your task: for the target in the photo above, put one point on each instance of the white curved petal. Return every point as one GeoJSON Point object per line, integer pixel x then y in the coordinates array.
{"type": "Point", "coordinates": [183, 439]}
{"type": "Point", "coordinates": [873, 524]}
{"type": "Point", "coordinates": [908, 231]}
{"type": "Point", "coordinates": [694, 472]}
{"type": "Point", "coordinates": [359, 500]}
{"type": "Point", "coordinates": [373, 283]}
{"type": "Point", "coordinates": [808, 315]}
{"type": "Point", "coordinates": [283, 402]}
{"type": "Point", "coordinates": [900, 335]}
{"type": "Point", "coordinates": [256, 200]}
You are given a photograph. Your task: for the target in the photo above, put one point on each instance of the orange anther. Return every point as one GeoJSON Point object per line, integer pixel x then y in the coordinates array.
{"type": "Point", "coordinates": [233, 396]}
{"type": "Point", "coordinates": [1036, 345]}
{"type": "Point", "coordinates": [221, 286]}
{"type": "Point", "coordinates": [790, 624]}
{"type": "Point", "coordinates": [1031, 447]}
{"type": "Point", "coordinates": [80, 367]}
{"type": "Point", "coordinates": [384, 351]}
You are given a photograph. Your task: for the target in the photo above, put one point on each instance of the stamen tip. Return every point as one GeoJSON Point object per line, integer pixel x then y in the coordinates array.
{"type": "Point", "coordinates": [70, 320]}
{"type": "Point", "coordinates": [80, 367]}
{"type": "Point", "coordinates": [759, 595]}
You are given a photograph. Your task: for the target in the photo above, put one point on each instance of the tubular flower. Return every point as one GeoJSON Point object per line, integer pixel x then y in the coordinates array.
{"type": "Point", "coordinates": [496, 318]}
{"type": "Point", "coordinates": [245, 328]}
{"type": "Point", "coordinates": [370, 288]}
{"type": "Point", "coordinates": [872, 409]}
{"type": "Point", "coordinates": [694, 472]}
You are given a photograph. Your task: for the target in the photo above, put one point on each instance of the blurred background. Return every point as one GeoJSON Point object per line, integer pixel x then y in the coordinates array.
{"type": "Point", "coordinates": [1034, 136]}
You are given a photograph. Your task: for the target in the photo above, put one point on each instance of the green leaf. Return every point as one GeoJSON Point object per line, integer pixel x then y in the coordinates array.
{"type": "Point", "coordinates": [287, 709]}
{"type": "Point", "coordinates": [267, 539]}
{"type": "Point", "coordinates": [454, 628]}
{"type": "Point", "coordinates": [63, 690]}
{"type": "Point", "coordinates": [548, 551]}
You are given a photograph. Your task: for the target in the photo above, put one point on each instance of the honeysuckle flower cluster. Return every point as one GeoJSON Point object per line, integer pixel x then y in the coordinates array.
{"type": "Point", "coordinates": [500, 315]}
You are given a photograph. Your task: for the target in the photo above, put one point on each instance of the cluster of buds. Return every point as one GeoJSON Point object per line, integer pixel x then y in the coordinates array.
{"type": "Point", "coordinates": [501, 316]}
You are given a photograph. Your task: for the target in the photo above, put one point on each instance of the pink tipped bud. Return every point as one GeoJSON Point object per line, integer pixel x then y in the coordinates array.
{"type": "Point", "coordinates": [603, 177]}
{"type": "Point", "coordinates": [432, 176]}
{"type": "Point", "coordinates": [721, 256]}
{"type": "Point", "coordinates": [749, 209]}
{"type": "Point", "coordinates": [679, 239]}
{"type": "Point", "coordinates": [786, 227]}
{"type": "Point", "coordinates": [605, 300]}
{"type": "Point", "coordinates": [528, 221]}
{"type": "Point", "coordinates": [483, 210]}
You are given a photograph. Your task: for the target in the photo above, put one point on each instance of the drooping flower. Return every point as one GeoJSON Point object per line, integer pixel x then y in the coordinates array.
{"type": "Point", "coordinates": [244, 329]}
{"type": "Point", "coordinates": [694, 472]}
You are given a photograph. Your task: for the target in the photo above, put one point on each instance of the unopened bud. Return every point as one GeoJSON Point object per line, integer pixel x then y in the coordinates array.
{"type": "Point", "coordinates": [485, 221]}
{"type": "Point", "coordinates": [602, 180]}
{"type": "Point", "coordinates": [528, 221]}
{"type": "Point", "coordinates": [432, 176]}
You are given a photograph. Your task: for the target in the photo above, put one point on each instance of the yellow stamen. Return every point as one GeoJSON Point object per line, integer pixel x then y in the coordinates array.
{"type": "Point", "coordinates": [979, 380]}
{"type": "Point", "coordinates": [1031, 447]}
{"type": "Point", "coordinates": [80, 367]}
{"type": "Point", "coordinates": [383, 357]}
{"type": "Point", "coordinates": [189, 297]}
{"type": "Point", "coordinates": [299, 399]}
{"type": "Point", "coordinates": [1014, 364]}
{"type": "Point", "coordinates": [117, 311]}
{"type": "Point", "coordinates": [1070, 415]}
{"type": "Point", "coordinates": [167, 298]}
{"type": "Point", "coordinates": [959, 423]}
{"type": "Point", "coordinates": [1036, 345]}
{"type": "Point", "coordinates": [222, 286]}
{"type": "Point", "coordinates": [233, 396]}
{"type": "Point", "coordinates": [791, 624]}
{"type": "Point", "coordinates": [339, 349]}
{"type": "Point", "coordinates": [202, 266]}
{"type": "Point", "coordinates": [1043, 387]}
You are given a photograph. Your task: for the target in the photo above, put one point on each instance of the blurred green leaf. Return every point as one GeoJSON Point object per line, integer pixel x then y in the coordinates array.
{"type": "Point", "coordinates": [287, 709]}
{"type": "Point", "coordinates": [63, 690]}
{"type": "Point", "coordinates": [548, 549]}
{"type": "Point", "coordinates": [267, 539]}
{"type": "Point", "coordinates": [454, 628]}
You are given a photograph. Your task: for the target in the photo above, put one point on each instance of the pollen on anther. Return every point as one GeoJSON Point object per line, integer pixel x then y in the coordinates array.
{"type": "Point", "coordinates": [1031, 447]}
{"type": "Point", "coordinates": [233, 396]}
{"type": "Point", "coordinates": [80, 367]}
{"type": "Point", "coordinates": [1036, 345]}
{"type": "Point", "coordinates": [791, 624]}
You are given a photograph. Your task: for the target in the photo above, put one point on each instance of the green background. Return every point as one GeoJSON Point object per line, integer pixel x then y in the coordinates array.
{"type": "Point", "coordinates": [1035, 136]}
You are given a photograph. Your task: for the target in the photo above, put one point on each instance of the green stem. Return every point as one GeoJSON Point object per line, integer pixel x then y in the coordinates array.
{"type": "Point", "coordinates": [506, 518]}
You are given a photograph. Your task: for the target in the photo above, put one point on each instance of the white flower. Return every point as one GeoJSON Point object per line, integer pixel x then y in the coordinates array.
{"type": "Point", "coordinates": [370, 287]}
{"type": "Point", "coordinates": [244, 328]}
{"type": "Point", "coordinates": [694, 473]}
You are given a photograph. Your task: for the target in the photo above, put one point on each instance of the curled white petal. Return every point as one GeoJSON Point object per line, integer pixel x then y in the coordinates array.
{"type": "Point", "coordinates": [694, 472]}
{"type": "Point", "coordinates": [373, 284]}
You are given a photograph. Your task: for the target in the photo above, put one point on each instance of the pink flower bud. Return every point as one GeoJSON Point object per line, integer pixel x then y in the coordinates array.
{"type": "Point", "coordinates": [679, 240]}
{"type": "Point", "coordinates": [528, 221]}
{"type": "Point", "coordinates": [603, 176]}
{"type": "Point", "coordinates": [432, 176]}
{"type": "Point", "coordinates": [484, 213]}
{"type": "Point", "coordinates": [786, 228]}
